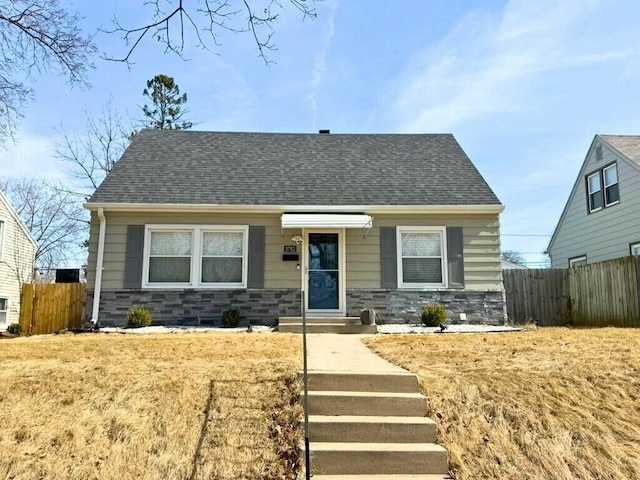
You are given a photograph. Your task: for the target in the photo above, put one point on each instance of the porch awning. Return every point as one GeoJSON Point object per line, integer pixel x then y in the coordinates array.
{"type": "Point", "coordinates": [326, 220]}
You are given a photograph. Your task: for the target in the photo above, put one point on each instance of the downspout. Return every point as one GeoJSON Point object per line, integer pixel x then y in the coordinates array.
{"type": "Point", "coordinates": [99, 264]}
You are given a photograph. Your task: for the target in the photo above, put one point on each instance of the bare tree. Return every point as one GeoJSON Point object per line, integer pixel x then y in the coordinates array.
{"type": "Point", "coordinates": [37, 36]}
{"type": "Point", "coordinates": [513, 256]}
{"type": "Point", "coordinates": [172, 21]}
{"type": "Point", "coordinates": [54, 217]}
{"type": "Point", "coordinates": [92, 154]}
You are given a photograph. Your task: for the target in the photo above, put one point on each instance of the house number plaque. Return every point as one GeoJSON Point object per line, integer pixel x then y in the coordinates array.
{"type": "Point", "coordinates": [290, 253]}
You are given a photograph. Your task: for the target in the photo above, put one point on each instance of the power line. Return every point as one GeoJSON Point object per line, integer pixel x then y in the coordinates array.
{"type": "Point", "coordinates": [522, 235]}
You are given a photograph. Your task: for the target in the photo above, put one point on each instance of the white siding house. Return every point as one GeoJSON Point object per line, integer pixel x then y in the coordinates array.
{"type": "Point", "coordinates": [601, 220]}
{"type": "Point", "coordinates": [17, 257]}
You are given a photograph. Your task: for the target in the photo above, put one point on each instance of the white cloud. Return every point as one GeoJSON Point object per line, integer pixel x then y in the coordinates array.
{"type": "Point", "coordinates": [319, 64]}
{"type": "Point", "coordinates": [489, 63]}
{"type": "Point", "coordinates": [31, 156]}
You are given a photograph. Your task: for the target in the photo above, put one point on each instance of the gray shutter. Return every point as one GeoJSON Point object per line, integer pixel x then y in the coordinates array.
{"type": "Point", "coordinates": [388, 258]}
{"type": "Point", "coordinates": [255, 270]}
{"type": "Point", "coordinates": [455, 258]}
{"type": "Point", "coordinates": [133, 256]}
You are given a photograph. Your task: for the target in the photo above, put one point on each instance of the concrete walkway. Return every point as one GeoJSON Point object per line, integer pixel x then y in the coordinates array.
{"type": "Point", "coordinates": [333, 352]}
{"type": "Point", "coordinates": [367, 417]}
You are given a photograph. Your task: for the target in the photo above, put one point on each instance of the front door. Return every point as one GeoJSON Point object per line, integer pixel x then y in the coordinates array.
{"type": "Point", "coordinates": [324, 273]}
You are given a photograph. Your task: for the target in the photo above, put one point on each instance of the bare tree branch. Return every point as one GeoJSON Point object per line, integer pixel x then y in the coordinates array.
{"type": "Point", "coordinates": [54, 217]}
{"type": "Point", "coordinates": [215, 15]}
{"type": "Point", "coordinates": [37, 36]}
{"type": "Point", "coordinates": [92, 154]}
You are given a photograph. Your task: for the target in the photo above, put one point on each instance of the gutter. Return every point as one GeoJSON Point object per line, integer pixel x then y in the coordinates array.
{"type": "Point", "coordinates": [280, 209]}
{"type": "Point", "coordinates": [99, 265]}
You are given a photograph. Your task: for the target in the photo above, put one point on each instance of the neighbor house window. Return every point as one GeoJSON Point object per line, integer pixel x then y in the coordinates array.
{"type": "Point", "coordinates": [196, 256]}
{"type": "Point", "coordinates": [635, 249]}
{"type": "Point", "coordinates": [578, 261]}
{"type": "Point", "coordinates": [421, 254]}
{"type": "Point", "coordinates": [4, 311]}
{"type": "Point", "coordinates": [611, 192]}
{"type": "Point", "coordinates": [602, 188]}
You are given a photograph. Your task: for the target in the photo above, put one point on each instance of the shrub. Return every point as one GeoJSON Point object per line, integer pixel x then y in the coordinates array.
{"type": "Point", "coordinates": [138, 316]}
{"type": "Point", "coordinates": [14, 328]}
{"type": "Point", "coordinates": [231, 318]}
{"type": "Point", "coordinates": [433, 315]}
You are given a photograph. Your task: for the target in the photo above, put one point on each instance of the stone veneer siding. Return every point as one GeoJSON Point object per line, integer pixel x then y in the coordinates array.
{"type": "Point", "coordinates": [404, 306]}
{"type": "Point", "coordinates": [264, 306]}
{"type": "Point", "coordinates": [195, 307]}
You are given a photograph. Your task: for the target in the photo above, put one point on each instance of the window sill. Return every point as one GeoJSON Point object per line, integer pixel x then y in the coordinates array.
{"type": "Point", "coordinates": [187, 286]}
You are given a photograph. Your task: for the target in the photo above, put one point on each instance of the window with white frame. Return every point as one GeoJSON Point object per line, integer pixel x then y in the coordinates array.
{"type": "Point", "coordinates": [602, 188]}
{"type": "Point", "coordinates": [421, 255]}
{"type": "Point", "coordinates": [222, 257]}
{"type": "Point", "coordinates": [4, 311]}
{"type": "Point", "coordinates": [578, 261]}
{"type": "Point", "coordinates": [196, 256]}
{"type": "Point", "coordinates": [635, 249]}
{"type": "Point", "coordinates": [611, 192]}
{"type": "Point", "coordinates": [170, 255]}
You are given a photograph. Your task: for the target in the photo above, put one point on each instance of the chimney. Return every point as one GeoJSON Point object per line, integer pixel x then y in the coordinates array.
{"type": "Point", "coordinates": [324, 132]}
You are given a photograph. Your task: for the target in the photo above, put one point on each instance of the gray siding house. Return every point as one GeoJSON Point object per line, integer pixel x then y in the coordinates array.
{"type": "Point", "coordinates": [192, 223]}
{"type": "Point", "coordinates": [17, 258]}
{"type": "Point", "coordinates": [601, 219]}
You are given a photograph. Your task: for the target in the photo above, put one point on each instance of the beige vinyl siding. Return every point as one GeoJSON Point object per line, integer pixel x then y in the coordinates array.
{"type": "Point", "coordinates": [16, 262]}
{"type": "Point", "coordinates": [481, 246]}
{"type": "Point", "coordinates": [278, 274]}
{"type": "Point", "coordinates": [607, 233]}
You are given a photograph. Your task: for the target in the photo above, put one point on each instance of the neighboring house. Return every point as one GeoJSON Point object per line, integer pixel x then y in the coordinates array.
{"type": "Point", "coordinates": [189, 224]}
{"type": "Point", "coordinates": [601, 219]}
{"type": "Point", "coordinates": [507, 265]}
{"type": "Point", "coordinates": [17, 258]}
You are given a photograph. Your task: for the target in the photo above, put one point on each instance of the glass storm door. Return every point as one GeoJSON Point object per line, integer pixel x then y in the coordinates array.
{"type": "Point", "coordinates": [324, 272]}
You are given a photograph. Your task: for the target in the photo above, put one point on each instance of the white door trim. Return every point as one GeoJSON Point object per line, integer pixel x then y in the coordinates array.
{"type": "Point", "coordinates": [342, 277]}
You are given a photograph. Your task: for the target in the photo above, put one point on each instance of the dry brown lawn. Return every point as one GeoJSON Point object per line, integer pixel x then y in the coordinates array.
{"type": "Point", "coordinates": [181, 406]}
{"type": "Point", "coordinates": [550, 403]}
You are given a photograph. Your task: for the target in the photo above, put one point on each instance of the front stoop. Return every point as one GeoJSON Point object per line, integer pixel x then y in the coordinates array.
{"type": "Point", "coordinates": [372, 426]}
{"type": "Point", "coordinates": [348, 325]}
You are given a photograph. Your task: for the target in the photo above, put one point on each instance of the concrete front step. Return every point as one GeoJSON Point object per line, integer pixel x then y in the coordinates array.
{"type": "Point", "coordinates": [338, 458]}
{"type": "Point", "coordinates": [338, 320]}
{"type": "Point", "coordinates": [362, 429]}
{"type": "Point", "coordinates": [364, 382]}
{"type": "Point", "coordinates": [367, 404]}
{"type": "Point", "coordinates": [426, 476]}
{"type": "Point", "coordinates": [328, 328]}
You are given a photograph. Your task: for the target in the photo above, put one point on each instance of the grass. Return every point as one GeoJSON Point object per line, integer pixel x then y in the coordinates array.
{"type": "Point", "coordinates": [182, 406]}
{"type": "Point", "coordinates": [550, 403]}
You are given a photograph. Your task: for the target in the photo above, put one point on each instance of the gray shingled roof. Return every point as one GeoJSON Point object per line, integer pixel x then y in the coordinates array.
{"type": "Point", "coordinates": [628, 145]}
{"type": "Point", "coordinates": [178, 167]}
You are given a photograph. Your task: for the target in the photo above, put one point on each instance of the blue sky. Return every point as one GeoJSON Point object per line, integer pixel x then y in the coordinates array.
{"type": "Point", "coordinates": [523, 85]}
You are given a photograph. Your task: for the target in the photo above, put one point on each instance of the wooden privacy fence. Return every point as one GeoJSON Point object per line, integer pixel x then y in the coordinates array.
{"type": "Point", "coordinates": [49, 308]}
{"type": "Point", "coordinates": [600, 294]}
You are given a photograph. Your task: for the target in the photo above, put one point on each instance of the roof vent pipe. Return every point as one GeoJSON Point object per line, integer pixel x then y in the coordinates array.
{"type": "Point", "coordinates": [324, 132]}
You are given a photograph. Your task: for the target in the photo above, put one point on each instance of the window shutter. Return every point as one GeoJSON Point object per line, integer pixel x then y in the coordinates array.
{"type": "Point", "coordinates": [455, 258]}
{"type": "Point", "coordinates": [133, 256]}
{"type": "Point", "coordinates": [255, 270]}
{"type": "Point", "coordinates": [388, 258]}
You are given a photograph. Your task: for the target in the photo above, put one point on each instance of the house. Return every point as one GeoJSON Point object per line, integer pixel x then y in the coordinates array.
{"type": "Point", "coordinates": [192, 223]}
{"type": "Point", "coordinates": [17, 258]}
{"type": "Point", "coordinates": [507, 265]}
{"type": "Point", "coordinates": [601, 219]}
